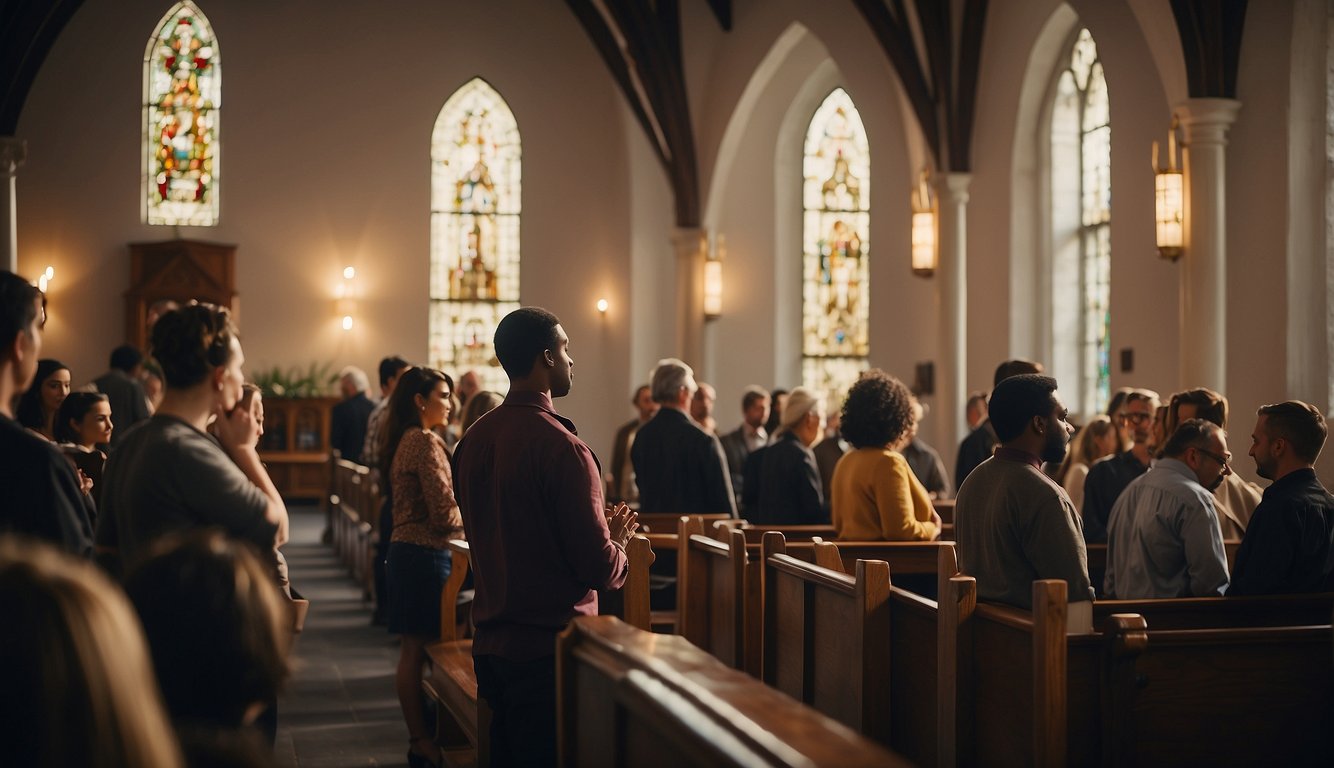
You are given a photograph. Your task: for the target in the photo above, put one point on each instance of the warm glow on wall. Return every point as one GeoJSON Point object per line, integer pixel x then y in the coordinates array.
{"type": "Point", "coordinates": [1169, 200]}
{"type": "Point", "coordinates": [602, 306]}
{"type": "Point", "coordinates": [345, 304]}
{"type": "Point", "coordinates": [923, 229]}
{"type": "Point", "coordinates": [45, 278]}
{"type": "Point", "coordinates": [713, 280]}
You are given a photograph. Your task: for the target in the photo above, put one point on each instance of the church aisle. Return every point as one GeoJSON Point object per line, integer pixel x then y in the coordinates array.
{"type": "Point", "coordinates": [339, 708]}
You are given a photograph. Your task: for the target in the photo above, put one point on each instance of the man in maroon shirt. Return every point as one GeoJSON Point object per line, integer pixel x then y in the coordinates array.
{"type": "Point", "coordinates": [542, 540]}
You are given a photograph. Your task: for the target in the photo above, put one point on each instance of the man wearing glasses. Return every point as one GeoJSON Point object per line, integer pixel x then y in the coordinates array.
{"type": "Point", "coordinates": [1163, 537]}
{"type": "Point", "coordinates": [1108, 477]}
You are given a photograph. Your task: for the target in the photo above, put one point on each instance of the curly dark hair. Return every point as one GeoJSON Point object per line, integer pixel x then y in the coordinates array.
{"type": "Point", "coordinates": [877, 412]}
{"type": "Point", "coordinates": [190, 341]}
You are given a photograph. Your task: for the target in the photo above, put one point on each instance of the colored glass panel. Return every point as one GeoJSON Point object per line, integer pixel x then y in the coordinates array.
{"type": "Point", "coordinates": [182, 102]}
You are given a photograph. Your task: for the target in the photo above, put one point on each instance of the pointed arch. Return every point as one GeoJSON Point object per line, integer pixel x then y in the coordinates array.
{"type": "Point", "coordinates": [836, 203]}
{"type": "Point", "coordinates": [476, 191]}
{"type": "Point", "coordinates": [182, 108]}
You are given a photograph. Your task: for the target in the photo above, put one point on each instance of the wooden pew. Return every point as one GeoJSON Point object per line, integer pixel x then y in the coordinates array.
{"type": "Point", "coordinates": [663, 522]}
{"type": "Point", "coordinates": [717, 591]}
{"type": "Point", "coordinates": [1223, 612]}
{"type": "Point", "coordinates": [462, 720]}
{"type": "Point", "coordinates": [944, 508]}
{"type": "Point", "coordinates": [626, 697]}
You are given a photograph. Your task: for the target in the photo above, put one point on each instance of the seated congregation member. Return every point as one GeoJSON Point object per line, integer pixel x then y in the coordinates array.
{"type": "Point", "coordinates": [701, 408]}
{"type": "Point", "coordinates": [749, 437]}
{"type": "Point", "coordinates": [1013, 524]}
{"type": "Point", "coordinates": [218, 631]}
{"type": "Point", "coordinates": [1108, 477]}
{"type": "Point", "coordinates": [924, 461]}
{"type": "Point", "coordinates": [40, 493]}
{"type": "Point", "coordinates": [78, 686]}
{"type": "Point", "coordinates": [975, 410]}
{"type": "Point", "coordinates": [1235, 500]}
{"type": "Point", "coordinates": [477, 406]}
{"type": "Point", "coordinates": [1163, 538]}
{"type": "Point", "coordinates": [347, 421]}
{"type": "Point", "coordinates": [679, 467]}
{"type": "Point", "coordinates": [777, 401]}
{"type": "Point", "coordinates": [978, 446]}
{"type": "Point", "coordinates": [1097, 439]}
{"type": "Point", "coordinates": [790, 491]}
{"type": "Point", "coordinates": [124, 390]}
{"type": "Point", "coordinates": [1289, 545]}
{"type": "Point", "coordinates": [623, 486]}
{"type": "Point", "coordinates": [542, 541]}
{"type": "Point", "coordinates": [876, 495]}
{"type": "Point", "coordinates": [426, 517]}
{"type": "Point", "coordinates": [37, 408]}
{"type": "Point", "coordinates": [169, 475]}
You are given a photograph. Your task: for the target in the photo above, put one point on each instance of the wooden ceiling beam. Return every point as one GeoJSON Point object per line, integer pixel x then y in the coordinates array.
{"type": "Point", "coordinates": [1210, 32]}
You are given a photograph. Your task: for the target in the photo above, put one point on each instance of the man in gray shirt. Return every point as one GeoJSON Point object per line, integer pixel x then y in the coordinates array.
{"type": "Point", "coordinates": [1163, 538]}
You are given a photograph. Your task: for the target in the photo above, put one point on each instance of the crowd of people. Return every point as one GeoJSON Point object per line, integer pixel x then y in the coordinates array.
{"type": "Point", "coordinates": [184, 524]}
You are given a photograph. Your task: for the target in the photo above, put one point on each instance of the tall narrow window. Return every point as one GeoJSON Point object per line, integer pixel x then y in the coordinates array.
{"type": "Point", "coordinates": [182, 101]}
{"type": "Point", "coordinates": [1081, 192]}
{"type": "Point", "coordinates": [475, 203]}
{"type": "Point", "coordinates": [836, 198]}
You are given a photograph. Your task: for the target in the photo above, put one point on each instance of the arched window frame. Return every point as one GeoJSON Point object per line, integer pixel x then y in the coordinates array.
{"type": "Point", "coordinates": [476, 191]}
{"type": "Point", "coordinates": [1080, 217]}
{"type": "Point", "coordinates": [836, 203]}
{"type": "Point", "coordinates": [181, 119]}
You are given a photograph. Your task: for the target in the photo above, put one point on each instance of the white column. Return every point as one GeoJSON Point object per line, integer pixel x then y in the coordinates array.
{"type": "Point", "coordinates": [1203, 320]}
{"type": "Point", "coordinates": [12, 154]}
{"type": "Point", "coordinates": [691, 246]}
{"type": "Point", "coordinates": [952, 285]}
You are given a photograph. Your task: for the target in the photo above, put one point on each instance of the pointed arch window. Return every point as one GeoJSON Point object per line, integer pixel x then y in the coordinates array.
{"type": "Point", "coordinates": [182, 106]}
{"type": "Point", "coordinates": [836, 198]}
{"type": "Point", "coordinates": [475, 207]}
{"type": "Point", "coordinates": [1081, 200]}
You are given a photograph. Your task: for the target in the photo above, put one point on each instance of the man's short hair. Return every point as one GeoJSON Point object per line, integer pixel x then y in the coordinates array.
{"type": "Point", "coordinates": [1191, 433]}
{"type": "Point", "coordinates": [634, 399]}
{"type": "Point", "coordinates": [389, 368]}
{"type": "Point", "coordinates": [1016, 400]}
{"type": "Point", "coordinates": [1142, 396]}
{"type": "Point", "coordinates": [18, 306]}
{"type": "Point", "coordinates": [753, 393]}
{"type": "Point", "coordinates": [126, 357]}
{"type": "Point", "coordinates": [1209, 405]}
{"type": "Point", "coordinates": [1118, 399]}
{"type": "Point", "coordinates": [1301, 424]}
{"type": "Point", "coordinates": [523, 335]}
{"type": "Point", "coordinates": [357, 376]}
{"type": "Point", "coordinates": [669, 376]}
{"type": "Point", "coordinates": [1014, 368]}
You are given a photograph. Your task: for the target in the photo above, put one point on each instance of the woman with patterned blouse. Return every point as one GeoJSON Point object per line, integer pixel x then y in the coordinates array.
{"type": "Point", "coordinates": [426, 517]}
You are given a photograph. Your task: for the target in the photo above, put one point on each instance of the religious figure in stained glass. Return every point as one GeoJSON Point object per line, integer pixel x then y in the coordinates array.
{"type": "Point", "coordinates": [1082, 174]}
{"type": "Point", "coordinates": [475, 206]}
{"type": "Point", "coordinates": [836, 198]}
{"type": "Point", "coordinates": [182, 99]}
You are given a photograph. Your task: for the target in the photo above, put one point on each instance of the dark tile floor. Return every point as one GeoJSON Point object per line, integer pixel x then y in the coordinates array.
{"type": "Point", "coordinates": [339, 708]}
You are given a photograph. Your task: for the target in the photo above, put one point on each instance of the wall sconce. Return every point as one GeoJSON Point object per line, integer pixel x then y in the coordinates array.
{"type": "Point", "coordinates": [602, 306]}
{"type": "Point", "coordinates": [923, 229]}
{"type": "Point", "coordinates": [1169, 208]}
{"type": "Point", "coordinates": [44, 279]}
{"type": "Point", "coordinates": [346, 305]}
{"type": "Point", "coordinates": [713, 279]}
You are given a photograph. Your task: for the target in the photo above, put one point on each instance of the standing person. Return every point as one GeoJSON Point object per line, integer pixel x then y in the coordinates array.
{"type": "Point", "coordinates": [1289, 546]}
{"type": "Point", "coordinates": [1013, 524]}
{"type": "Point", "coordinates": [749, 437]}
{"type": "Point", "coordinates": [37, 408]}
{"type": "Point", "coordinates": [542, 541]}
{"type": "Point", "coordinates": [40, 494]}
{"type": "Point", "coordinates": [1098, 438]}
{"type": "Point", "coordinates": [1235, 499]}
{"type": "Point", "coordinates": [978, 446]}
{"type": "Point", "coordinates": [623, 487]}
{"type": "Point", "coordinates": [1110, 476]}
{"type": "Point", "coordinates": [83, 427]}
{"type": "Point", "coordinates": [679, 467]}
{"type": "Point", "coordinates": [777, 399]}
{"type": "Point", "coordinates": [923, 460]}
{"type": "Point", "coordinates": [390, 369]}
{"type": "Point", "coordinates": [975, 411]}
{"type": "Point", "coordinates": [347, 422]}
{"type": "Point", "coordinates": [426, 517]}
{"type": "Point", "coordinates": [169, 475]}
{"type": "Point", "coordinates": [1162, 537]}
{"type": "Point", "coordinates": [123, 388]}
{"type": "Point", "coordinates": [790, 492]}
{"type": "Point", "coordinates": [701, 408]}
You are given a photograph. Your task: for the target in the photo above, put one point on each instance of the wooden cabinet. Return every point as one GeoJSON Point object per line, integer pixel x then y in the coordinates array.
{"type": "Point", "coordinates": [177, 271]}
{"type": "Point", "coordinates": [295, 445]}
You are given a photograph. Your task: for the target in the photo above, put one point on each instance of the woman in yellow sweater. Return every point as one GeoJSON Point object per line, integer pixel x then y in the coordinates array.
{"type": "Point", "coordinates": [875, 494]}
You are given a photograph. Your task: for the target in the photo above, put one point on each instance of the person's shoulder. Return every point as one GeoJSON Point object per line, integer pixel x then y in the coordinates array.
{"type": "Point", "coordinates": [21, 448]}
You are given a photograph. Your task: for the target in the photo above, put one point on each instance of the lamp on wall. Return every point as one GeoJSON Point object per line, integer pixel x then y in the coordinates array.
{"type": "Point", "coordinates": [713, 279]}
{"type": "Point", "coordinates": [44, 279]}
{"type": "Point", "coordinates": [1169, 208]}
{"type": "Point", "coordinates": [346, 306]}
{"type": "Point", "coordinates": [923, 229]}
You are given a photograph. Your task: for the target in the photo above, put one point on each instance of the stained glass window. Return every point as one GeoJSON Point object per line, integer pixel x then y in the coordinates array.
{"type": "Point", "coordinates": [475, 204]}
{"type": "Point", "coordinates": [1081, 164]}
{"type": "Point", "coordinates": [836, 199]}
{"type": "Point", "coordinates": [182, 101]}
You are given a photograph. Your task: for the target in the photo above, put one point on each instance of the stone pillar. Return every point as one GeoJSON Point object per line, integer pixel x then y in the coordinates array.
{"type": "Point", "coordinates": [12, 154]}
{"type": "Point", "coordinates": [691, 246]}
{"type": "Point", "coordinates": [1203, 320]}
{"type": "Point", "coordinates": [952, 287]}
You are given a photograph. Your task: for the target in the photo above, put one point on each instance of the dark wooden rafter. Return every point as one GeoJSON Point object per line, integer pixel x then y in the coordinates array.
{"type": "Point", "coordinates": [641, 45]}
{"type": "Point", "coordinates": [27, 32]}
{"type": "Point", "coordinates": [943, 96]}
{"type": "Point", "coordinates": [1210, 33]}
